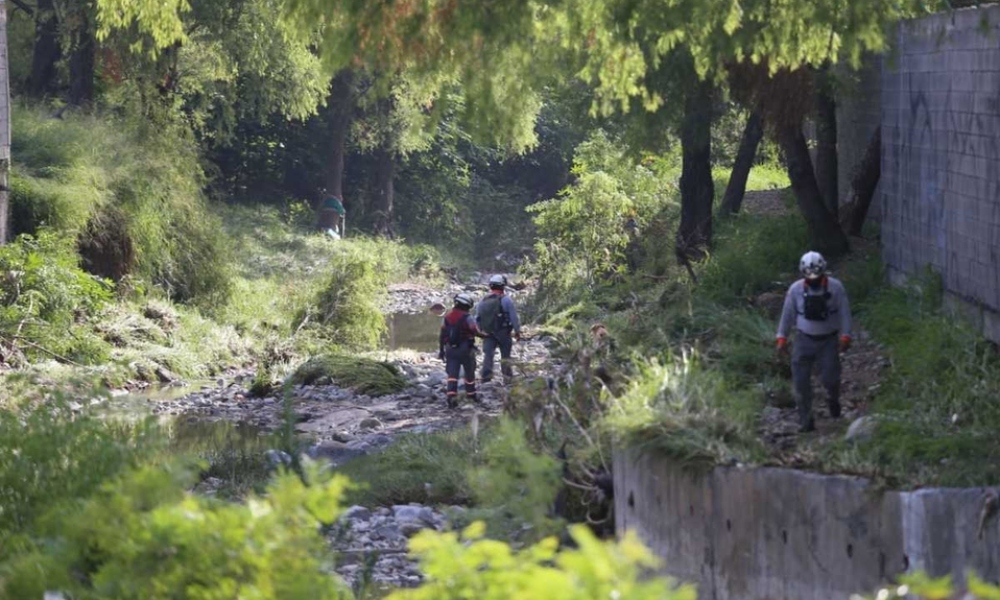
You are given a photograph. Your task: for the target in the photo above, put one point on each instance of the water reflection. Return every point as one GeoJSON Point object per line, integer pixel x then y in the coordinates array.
{"type": "Point", "coordinates": [413, 332]}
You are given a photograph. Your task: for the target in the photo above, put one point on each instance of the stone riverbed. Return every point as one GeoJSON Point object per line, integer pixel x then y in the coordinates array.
{"type": "Point", "coordinates": [340, 425]}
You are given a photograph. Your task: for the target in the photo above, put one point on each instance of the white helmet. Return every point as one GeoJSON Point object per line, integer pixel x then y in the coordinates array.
{"type": "Point", "coordinates": [497, 281]}
{"type": "Point", "coordinates": [463, 299]}
{"type": "Point", "coordinates": [812, 265]}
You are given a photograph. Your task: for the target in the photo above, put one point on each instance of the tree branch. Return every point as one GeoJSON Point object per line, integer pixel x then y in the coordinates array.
{"type": "Point", "coordinates": [20, 4]}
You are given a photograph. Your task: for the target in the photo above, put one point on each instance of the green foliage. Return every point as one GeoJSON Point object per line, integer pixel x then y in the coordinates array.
{"type": "Point", "coordinates": [469, 566]}
{"type": "Point", "coordinates": [347, 309]}
{"type": "Point", "coordinates": [112, 545]}
{"type": "Point", "coordinates": [430, 468]}
{"type": "Point", "coordinates": [514, 482]}
{"type": "Point", "coordinates": [131, 196]}
{"type": "Point", "coordinates": [920, 585]}
{"type": "Point", "coordinates": [582, 237]}
{"type": "Point", "coordinates": [44, 298]}
{"type": "Point", "coordinates": [680, 408]}
{"type": "Point", "coordinates": [752, 254]}
{"type": "Point", "coordinates": [936, 410]}
{"type": "Point", "coordinates": [49, 458]}
{"type": "Point", "coordinates": [363, 375]}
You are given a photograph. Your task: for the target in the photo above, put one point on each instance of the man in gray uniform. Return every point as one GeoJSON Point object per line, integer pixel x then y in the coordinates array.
{"type": "Point", "coordinates": [496, 317]}
{"type": "Point", "coordinates": [817, 304]}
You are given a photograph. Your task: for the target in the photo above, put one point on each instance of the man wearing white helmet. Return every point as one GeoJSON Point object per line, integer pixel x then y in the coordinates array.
{"type": "Point", "coordinates": [818, 307]}
{"type": "Point", "coordinates": [497, 318]}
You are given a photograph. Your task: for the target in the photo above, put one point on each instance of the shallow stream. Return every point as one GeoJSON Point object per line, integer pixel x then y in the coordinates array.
{"type": "Point", "coordinates": [417, 332]}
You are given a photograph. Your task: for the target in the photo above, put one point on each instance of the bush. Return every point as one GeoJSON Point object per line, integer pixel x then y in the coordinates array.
{"type": "Point", "coordinates": [143, 536]}
{"type": "Point", "coordinates": [347, 310]}
{"type": "Point", "coordinates": [515, 483]}
{"type": "Point", "coordinates": [583, 241]}
{"type": "Point", "coordinates": [49, 458]}
{"type": "Point", "coordinates": [45, 300]}
{"type": "Point", "coordinates": [685, 411]}
{"type": "Point", "coordinates": [469, 566]}
{"type": "Point", "coordinates": [363, 375]}
{"type": "Point", "coordinates": [132, 197]}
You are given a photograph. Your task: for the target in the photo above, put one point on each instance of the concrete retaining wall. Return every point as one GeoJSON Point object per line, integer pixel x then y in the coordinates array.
{"type": "Point", "coordinates": [941, 157]}
{"type": "Point", "coordinates": [772, 534]}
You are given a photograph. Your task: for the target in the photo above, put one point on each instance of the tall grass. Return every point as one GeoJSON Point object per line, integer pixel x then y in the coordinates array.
{"type": "Point", "coordinates": [937, 408]}
{"type": "Point", "coordinates": [752, 254]}
{"type": "Point", "coordinates": [131, 196]}
{"type": "Point", "coordinates": [685, 411]}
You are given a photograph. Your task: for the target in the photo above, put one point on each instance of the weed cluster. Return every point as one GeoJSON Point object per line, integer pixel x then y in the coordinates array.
{"type": "Point", "coordinates": [363, 375]}
{"type": "Point", "coordinates": [132, 200]}
{"type": "Point", "coordinates": [936, 409]}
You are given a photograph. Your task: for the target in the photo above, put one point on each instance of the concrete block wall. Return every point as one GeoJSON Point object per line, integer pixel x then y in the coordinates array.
{"type": "Point", "coordinates": [780, 534]}
{"type": "Point", "coordinates": [940, 186]}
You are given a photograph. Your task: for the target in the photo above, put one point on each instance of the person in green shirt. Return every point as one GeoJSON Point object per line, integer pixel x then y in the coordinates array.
{"type": "Point", "coordinates": [332, 215]}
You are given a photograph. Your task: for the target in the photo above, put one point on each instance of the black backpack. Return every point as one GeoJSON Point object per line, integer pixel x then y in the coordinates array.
{"type": "Point", "coordinates": [816, 307]}
{"type": "Point", "coordinates": [453, 332]}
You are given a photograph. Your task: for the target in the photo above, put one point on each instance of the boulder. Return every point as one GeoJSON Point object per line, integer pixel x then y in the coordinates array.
{"type": "Point", "coordinates": [863, 428]}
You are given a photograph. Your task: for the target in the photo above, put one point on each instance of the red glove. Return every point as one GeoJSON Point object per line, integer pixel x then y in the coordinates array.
{"type": "Point", "coordinates": [782, 344]}
{"type": "Point", "coordinates": [845, 343]}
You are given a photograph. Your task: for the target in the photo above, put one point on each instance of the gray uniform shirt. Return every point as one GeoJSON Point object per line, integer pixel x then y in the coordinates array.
{"type": "Point", "coordinates": [839, 318]}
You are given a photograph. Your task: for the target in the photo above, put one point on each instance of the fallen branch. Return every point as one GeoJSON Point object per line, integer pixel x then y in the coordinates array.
{"type": "Point", "coordinates": [42, 348]}
{"type": "Point", "coordinates": [583, 431]}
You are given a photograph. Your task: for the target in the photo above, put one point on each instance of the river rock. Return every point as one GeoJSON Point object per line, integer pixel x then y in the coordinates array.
{"type": "Point", "coordinates": [337, 453]}
{"type": "Point", "coordinates": [861, 429]}
{"type": "Point", "coordinates": [369, 424]}
{"type": "Point", "coordinates": [413, 518]}
{"type": "Point", "coordinates": [357, 513]}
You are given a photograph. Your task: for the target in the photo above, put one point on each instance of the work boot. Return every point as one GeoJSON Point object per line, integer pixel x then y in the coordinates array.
{"type": "Point", "coordinates": [452, 402]}
{"type": "Point", "coordinates": [834, 406]}
{"type": "Point", "coordinates": [810, 425]}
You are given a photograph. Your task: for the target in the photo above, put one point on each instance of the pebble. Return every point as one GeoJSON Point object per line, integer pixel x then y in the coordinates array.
{"type": "Point", "coordinates": [383, 532]}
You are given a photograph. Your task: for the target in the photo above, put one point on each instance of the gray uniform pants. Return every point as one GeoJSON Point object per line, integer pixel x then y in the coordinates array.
{"type": "Point", "coordinates": [807, 352]}
{"type": "Point", "coordinates": [502, 340]}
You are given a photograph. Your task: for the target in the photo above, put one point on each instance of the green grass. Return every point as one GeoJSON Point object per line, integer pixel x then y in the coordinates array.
{"type": "Point", "coordinates": [132, 197]}
{"type": "Point", "coordinates": [425, 468]}
{"type": "Point", "coordinates": [752, 254]}
{"type": "Point", "coordinates": [688, 412]}
{"type": "Point", "coordinates": [937, 408]}
{"type": "Point", "coordinates": [363, 375]}
{"type": "Point", "coordinates": [762, 177]}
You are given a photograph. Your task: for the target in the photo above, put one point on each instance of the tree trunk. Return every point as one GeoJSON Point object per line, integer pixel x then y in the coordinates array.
{"type": "Point", "coordinates": [46, 52]}
{"type": "Point", "coordinates": [4, 125]}
{"type": "Point", "coordinates": [81, 61]}
{"type": "Point", "coordinates": [697, 189]}
{"type": "Point", "coordinates": [385, 170]}
{"type": "Point", "coordinates": [825, 233]}
{"type": "Point", "coordinates": [864, 180]}
{"type": "Point", "coordinates": [341, 107]}
{"type": "Point", "coordinates": [732, 201]}
{"type": "Point", "coordinates": [826, 143]}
